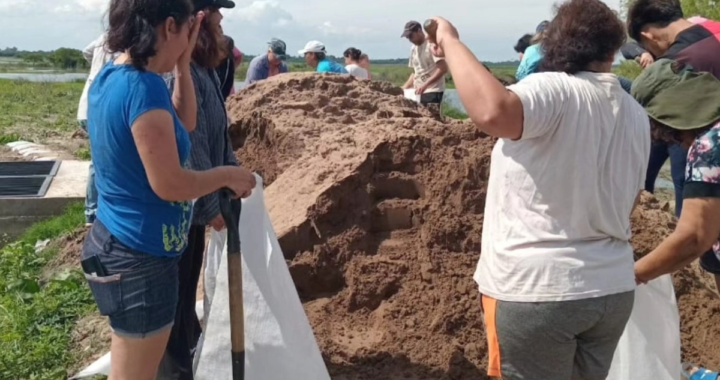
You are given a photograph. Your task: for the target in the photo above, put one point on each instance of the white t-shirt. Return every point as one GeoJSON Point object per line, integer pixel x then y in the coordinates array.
{"type": "Point", "coordinates": [356, 71]}
{"type": "Point", "coordinates": [557, 213]}
{"type": "Point", "coordinates": [424, 63]}
{"type": "Point", "coordinates": [97, 56]}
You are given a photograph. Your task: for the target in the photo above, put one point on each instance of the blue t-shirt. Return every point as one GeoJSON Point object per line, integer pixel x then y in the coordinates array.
{"type": "Point", "coordinates": [328, 66]}
{"type": "Point", "coordinates": [127, 205]}
{"type": "Point", "coordinates": [530, 61]}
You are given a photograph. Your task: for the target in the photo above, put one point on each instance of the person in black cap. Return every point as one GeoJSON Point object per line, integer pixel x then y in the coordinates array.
{"type": "Point", "coordinates": [428, 77]}
{"type": "Point", "coordinates": [269, 64]}
{"type": "Point", "coordinates": [211, 148]}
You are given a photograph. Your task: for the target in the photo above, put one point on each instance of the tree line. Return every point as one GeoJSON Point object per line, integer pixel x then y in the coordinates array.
{"type": "Point", "coordinates": [63, 58]}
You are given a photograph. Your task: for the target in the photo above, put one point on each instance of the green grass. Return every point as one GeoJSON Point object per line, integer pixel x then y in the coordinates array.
{"type": "Point", "coordinates": [37, 314]}
{"type": "Point", "coordinates": [8, 138]}
{"type": "Point", "coordinates": [82, 154]}
{"type": "Point", "coordinates": [451, 112]}
{"type": "Point", "coordinates": [37, 111]}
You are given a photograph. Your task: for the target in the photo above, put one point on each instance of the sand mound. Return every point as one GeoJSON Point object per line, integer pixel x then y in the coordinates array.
{"type": "Point", "coordinates": [378, 206]}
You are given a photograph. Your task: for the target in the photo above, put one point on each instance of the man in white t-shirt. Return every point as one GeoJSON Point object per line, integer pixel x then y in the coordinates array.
{"type": "Point", "coordinates": [97, 56]}
{"type": "Point", "coordinates": [428, 77]}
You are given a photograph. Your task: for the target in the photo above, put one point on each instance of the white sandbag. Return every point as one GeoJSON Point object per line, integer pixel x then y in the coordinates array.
{"type": "Point", "coordinates": [650, 345]}
{"type": "Point", "coordinates": [410, 94]}
{"type": "Point", "coordinates": [279, 342]}
{"type": "Point", "coordinates": [98, 367]}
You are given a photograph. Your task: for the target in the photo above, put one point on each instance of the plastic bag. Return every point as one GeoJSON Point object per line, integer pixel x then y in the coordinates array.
{"type": "Point", "coordinates": [650, 345]}
{"type": "Point", "coordinates": [279, 341]}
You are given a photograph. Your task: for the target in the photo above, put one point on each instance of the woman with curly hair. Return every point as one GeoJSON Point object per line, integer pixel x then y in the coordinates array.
{"type": "Point", "coordinates": [556, 270]}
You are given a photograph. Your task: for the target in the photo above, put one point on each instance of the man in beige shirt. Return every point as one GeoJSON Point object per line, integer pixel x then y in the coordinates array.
{"type": "Point", "coordinates": [428, 77]}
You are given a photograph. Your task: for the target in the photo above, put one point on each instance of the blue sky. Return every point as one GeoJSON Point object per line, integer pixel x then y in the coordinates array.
{"type": "Point", "coordinates": [490, 28]}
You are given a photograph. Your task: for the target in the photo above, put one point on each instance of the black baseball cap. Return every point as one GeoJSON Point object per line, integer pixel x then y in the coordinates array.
{"type": "Point", "coordinates": [410, 28]}
{"type": "Point", "coordinates": [278, 47]}
{"type": "Point", "coordinates": [202, 4]}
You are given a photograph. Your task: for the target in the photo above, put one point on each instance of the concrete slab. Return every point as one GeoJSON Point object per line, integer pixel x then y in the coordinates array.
{"type": "Point", "coordinates": [68, 186]}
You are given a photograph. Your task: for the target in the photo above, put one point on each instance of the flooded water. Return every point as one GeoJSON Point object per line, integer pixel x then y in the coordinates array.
{"type": "Point", "coordinates": [48, 76]}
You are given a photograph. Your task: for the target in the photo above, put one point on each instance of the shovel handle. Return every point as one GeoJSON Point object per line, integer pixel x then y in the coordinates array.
{"type": "Point", "coordinates": [230, 209]}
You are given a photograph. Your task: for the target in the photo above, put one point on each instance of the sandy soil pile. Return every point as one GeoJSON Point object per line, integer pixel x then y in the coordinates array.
{"type": "Point", "coordinates": [378, 204]}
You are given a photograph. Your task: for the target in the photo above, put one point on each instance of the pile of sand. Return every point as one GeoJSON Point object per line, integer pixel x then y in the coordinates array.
{"type": "Point", "coordinates": [378, 204]}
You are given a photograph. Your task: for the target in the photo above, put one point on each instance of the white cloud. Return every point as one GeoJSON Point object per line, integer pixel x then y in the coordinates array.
{"type": "Point", "coordinates": [489, 28]}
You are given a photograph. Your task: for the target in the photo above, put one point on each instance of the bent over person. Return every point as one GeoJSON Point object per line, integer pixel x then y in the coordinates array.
{"type": "Point", "coordinates": [556, 270]}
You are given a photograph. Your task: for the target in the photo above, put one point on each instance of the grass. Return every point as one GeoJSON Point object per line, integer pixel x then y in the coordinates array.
{"type": "Point", "coordinates": [36, 111]}
{"type": "Point", "coordinates": [82, 154]}
{"type": "Point", "coordinates": [451, 112]}
{"type": "Point", "coordinates": [36, 314]}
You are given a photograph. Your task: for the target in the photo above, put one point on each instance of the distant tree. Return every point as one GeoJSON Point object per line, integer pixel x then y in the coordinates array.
{"type": "Point", "coordinates": [67, 59]}
{"type": "Point", "coordinates": [33, 58]}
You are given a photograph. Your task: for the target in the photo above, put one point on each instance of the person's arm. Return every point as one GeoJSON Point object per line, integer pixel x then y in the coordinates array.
{"type": "Point", "coordinates": [410, 82]}
{"type": "Point", "coordinates": [183, 95]}
{"type": "Point", "coordinates": [495, 110]}
{"type": "Point", "coordinates": [632, 50]}
{"type": "Point", "coordinates": [89, 50]}
{"type": "Point", "coordinates": [154, 136]}
{"type": "Point", "coordinates": [696, 232]}
{"type": "Point", "coordinates": [283, 67]}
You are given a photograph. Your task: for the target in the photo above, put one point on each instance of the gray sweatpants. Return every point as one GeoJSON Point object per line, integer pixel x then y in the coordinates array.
{"type": "Point", "coordinates": [555, 340]}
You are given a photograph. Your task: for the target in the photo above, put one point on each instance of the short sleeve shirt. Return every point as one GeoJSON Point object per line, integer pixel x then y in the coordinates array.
{"type": "Point", "coordinates": [702, 176]}
{"type": "Point", "coordinates": [127, 204]}
{"type": "Point", "coordinates": [328, 66]}
{"type": "Point", "coordinates": [424, 64]}
{"type": "Point", "coordinates": [557, 212]}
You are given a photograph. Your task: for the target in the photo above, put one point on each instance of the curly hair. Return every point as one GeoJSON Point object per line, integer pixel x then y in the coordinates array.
{"type": "Point", "coordinates": [583, 32]}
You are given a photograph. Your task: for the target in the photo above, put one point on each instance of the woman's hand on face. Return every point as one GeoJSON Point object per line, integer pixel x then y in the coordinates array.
{"type": "Point", "coordinates": [241, 181]}
{"type": "Point", "coordinates": [186, 57]}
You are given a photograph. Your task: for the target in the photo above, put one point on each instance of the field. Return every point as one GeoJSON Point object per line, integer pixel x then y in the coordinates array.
{"type": "Point", "coordinates": [41, 112]}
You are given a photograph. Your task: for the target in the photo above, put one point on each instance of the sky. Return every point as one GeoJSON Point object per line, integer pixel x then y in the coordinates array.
{"type": "Point", "coordinates": [489, 28]}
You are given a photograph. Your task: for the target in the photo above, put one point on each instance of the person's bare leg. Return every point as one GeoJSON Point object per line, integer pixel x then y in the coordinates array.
{"type": "Point", "coordinates": [137, 359]}
{"type": "Point", "coordinates": [717, 282]}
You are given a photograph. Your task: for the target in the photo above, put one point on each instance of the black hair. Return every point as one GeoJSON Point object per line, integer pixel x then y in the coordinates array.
{"type": "Point", "coordinates": [319, 56]}
{"type": "Point", "coordinates": [582, 32]}
{"type": "Point", "coordinates": [523, 43]}
{"type": "Point", "coordinates": [352, 53]}
{"type": "Point", "coordinates": [132, 25]}
{"type": "Point", "coordinates": [659, 13]}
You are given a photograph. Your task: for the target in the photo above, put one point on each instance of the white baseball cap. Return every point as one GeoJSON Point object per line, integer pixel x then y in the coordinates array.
{"type": "Point", "coordinates": [313, 47]}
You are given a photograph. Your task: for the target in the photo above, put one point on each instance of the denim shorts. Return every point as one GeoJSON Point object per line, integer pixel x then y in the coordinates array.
{"type": "Point", "coordinates": [140, 292]}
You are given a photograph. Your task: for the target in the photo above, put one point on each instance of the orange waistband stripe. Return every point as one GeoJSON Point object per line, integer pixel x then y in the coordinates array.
{"type": "Point", "coordinates": [489, 308]}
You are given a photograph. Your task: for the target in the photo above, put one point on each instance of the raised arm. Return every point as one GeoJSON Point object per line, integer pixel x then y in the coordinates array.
{"type": "Point", "coordinates": [154, 136]}
{"type": "Point", "coordinates": [183, 96]}
{"type": "Point", "coordinates": [493, 108]}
